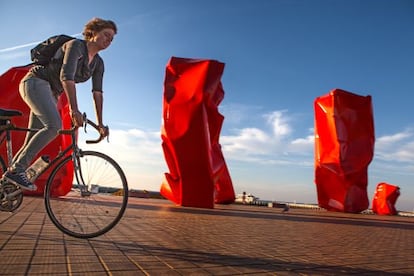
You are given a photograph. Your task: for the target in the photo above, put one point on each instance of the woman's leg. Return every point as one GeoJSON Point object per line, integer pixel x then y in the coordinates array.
{"type": "Point", "coordinates": [39, 96]}
{"type": "Point", "coordinates": [44, 115]}
{"type": "Point", "coordinates": [34, 123]}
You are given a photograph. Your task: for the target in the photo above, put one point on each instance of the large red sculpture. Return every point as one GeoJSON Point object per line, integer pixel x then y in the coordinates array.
{"type": "Point", "coordinates": [10, 99]}
{"type": "Point", "coordinates": [344, 147]}
{"type": "Point", "coordinates": [190, 133]}
{"type": "Point", "coordinates": [385, 197]}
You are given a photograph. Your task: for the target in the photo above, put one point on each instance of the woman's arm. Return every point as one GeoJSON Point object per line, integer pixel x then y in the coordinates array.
{"type": "Point", "coordinates": [73, 51]}
{"type": "Point", "coordinates": [98, 100]}
{"type": "Point", "coordinates": [70, 90]}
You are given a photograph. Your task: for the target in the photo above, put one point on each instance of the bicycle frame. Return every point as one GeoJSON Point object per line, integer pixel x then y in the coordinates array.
{"type": "Point", "coordinates": [6, 136]}
{"type": "Point", "coordinates": [9, 127]}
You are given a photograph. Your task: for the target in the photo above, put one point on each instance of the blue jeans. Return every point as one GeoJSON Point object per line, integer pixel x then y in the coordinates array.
{"type": "Point", "coordinates": [43, 116]}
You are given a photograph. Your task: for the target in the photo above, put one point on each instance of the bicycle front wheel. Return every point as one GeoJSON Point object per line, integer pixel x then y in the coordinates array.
{"type": "Point", "coordinates": [97, 198]}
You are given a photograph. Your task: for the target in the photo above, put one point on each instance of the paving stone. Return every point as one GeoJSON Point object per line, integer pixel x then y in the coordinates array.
{"type": "Point", "coordinates": [156, 237]}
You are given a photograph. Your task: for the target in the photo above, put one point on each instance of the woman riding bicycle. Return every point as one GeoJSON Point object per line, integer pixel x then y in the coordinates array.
{"type": "Point", "coordinates": [76, 61]}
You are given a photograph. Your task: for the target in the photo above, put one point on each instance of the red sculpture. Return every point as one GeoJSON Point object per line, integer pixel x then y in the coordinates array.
{"type": "Point", "coordinates": [344, 147]}
{"type": "Point", "coordinates": [385, 197]}
{"type": "Point", "coordinates": [190, 133]}
{"type": "Point", "coordinates": [10, 99]}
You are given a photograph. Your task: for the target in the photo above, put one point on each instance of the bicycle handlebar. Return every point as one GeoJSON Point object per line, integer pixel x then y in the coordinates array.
{"type": "Point", "coordinates": [96, 127]}
{"type": "Point", "coordinates": [86, 122]}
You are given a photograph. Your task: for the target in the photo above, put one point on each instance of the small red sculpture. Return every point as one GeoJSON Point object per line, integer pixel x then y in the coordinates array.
{"type": "Point", "coordinates": [385, 197]}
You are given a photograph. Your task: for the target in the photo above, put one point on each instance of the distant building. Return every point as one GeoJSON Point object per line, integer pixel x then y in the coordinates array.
{"type": "Point", "coordinates": [245, 198]}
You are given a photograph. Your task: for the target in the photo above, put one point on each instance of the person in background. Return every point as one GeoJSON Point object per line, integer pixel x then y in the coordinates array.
{"type": "Point", "coordinates": [74, 62]}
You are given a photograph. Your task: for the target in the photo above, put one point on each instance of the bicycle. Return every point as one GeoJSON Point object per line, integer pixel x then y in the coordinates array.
{"type": "Point", "coordinates": [98, 194]}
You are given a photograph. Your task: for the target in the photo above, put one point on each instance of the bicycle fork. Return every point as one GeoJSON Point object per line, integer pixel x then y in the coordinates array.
{"type": "Point", "coordinates": [83, 186]}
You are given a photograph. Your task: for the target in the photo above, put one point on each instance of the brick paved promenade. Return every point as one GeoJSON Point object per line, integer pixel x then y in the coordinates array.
{"type": "Point", "coordinates": [157, 238]}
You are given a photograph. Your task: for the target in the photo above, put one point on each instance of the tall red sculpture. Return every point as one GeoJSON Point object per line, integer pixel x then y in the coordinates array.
{"type": "Point", "coordinates": [198, 175]}
{"type": "Point", "coordinates": [385, 197]}
{"type": "Point", "coordinates": [10, 99]}
{"type": "Point", "coordinates": [344, 147]}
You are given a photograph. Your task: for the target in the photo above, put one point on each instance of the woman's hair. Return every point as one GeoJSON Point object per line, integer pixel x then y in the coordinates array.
{"type": "Point", "coordinates": [96, 25]}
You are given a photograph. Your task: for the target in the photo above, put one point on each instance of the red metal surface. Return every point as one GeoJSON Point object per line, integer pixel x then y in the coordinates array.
{"type": "Point", "coordinates": [385, 197]}
{"type": "Point", "coordinates": [344, 147]}
{"type": "Point", "coordinates": [198, 175]}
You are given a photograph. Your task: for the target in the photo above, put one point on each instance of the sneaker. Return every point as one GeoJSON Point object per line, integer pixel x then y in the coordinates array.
{"type": "Point", "coordinates": [20, 179]}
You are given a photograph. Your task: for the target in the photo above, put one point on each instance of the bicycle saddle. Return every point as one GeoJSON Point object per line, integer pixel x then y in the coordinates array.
{"type": "Point", "coordinates": [7, 113]}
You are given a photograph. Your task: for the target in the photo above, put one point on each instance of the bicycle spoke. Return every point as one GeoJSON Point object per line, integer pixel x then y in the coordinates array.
{"type": "Point", "coordinates": [97, 198]}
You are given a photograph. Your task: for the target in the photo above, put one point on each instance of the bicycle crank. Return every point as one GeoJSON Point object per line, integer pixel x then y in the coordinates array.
{"type": "Point", "coordinates": [11, 197]}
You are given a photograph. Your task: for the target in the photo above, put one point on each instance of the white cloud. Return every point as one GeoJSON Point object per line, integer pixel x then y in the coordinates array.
{"type": "Point", "coordinates": [303, 145]}
{"type": "Point", "coordinates": [246, 143]}
{"type": "Point", "coordinates": [236, 113]}
{"type": "Point", "coordinates": [277, 146]}
{"type": "Point", "coordinates": [133, 145]}
{"type": "Point", "coordinates": [390, 140]}
{"type": "Point", "coordinates": [279, 124]}
{"type": "Point", "coordinates": [398, 147]}
{"type": "Point", "coordinates": [268, 146]}
{"type": "Point", "coordinates": [138, 152]}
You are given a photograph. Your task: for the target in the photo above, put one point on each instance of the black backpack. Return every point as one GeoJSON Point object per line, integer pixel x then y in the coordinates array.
{"type": "Point", "coordinates": [43, 53]}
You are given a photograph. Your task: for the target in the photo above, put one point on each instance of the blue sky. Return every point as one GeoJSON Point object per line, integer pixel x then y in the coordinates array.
{"type": "Point", "coordinates": [279, 56]}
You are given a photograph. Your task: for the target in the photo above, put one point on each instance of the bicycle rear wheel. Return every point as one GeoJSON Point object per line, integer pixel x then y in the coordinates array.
{"type": "Point", "coordinates": [97, 199]}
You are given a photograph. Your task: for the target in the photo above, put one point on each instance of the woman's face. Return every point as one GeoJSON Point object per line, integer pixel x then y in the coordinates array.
{"type": "Point", "coordinates": [103, 38]}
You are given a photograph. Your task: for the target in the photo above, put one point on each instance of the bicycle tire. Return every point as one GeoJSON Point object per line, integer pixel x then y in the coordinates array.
{"type": "Point", "coordinates": [82, 214]}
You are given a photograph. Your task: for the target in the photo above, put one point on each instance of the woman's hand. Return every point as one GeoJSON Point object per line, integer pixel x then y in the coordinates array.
{"type": "Point", "coordinates": [103, 131]}
{"type": "Point", "coordinates": [77, 118]}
